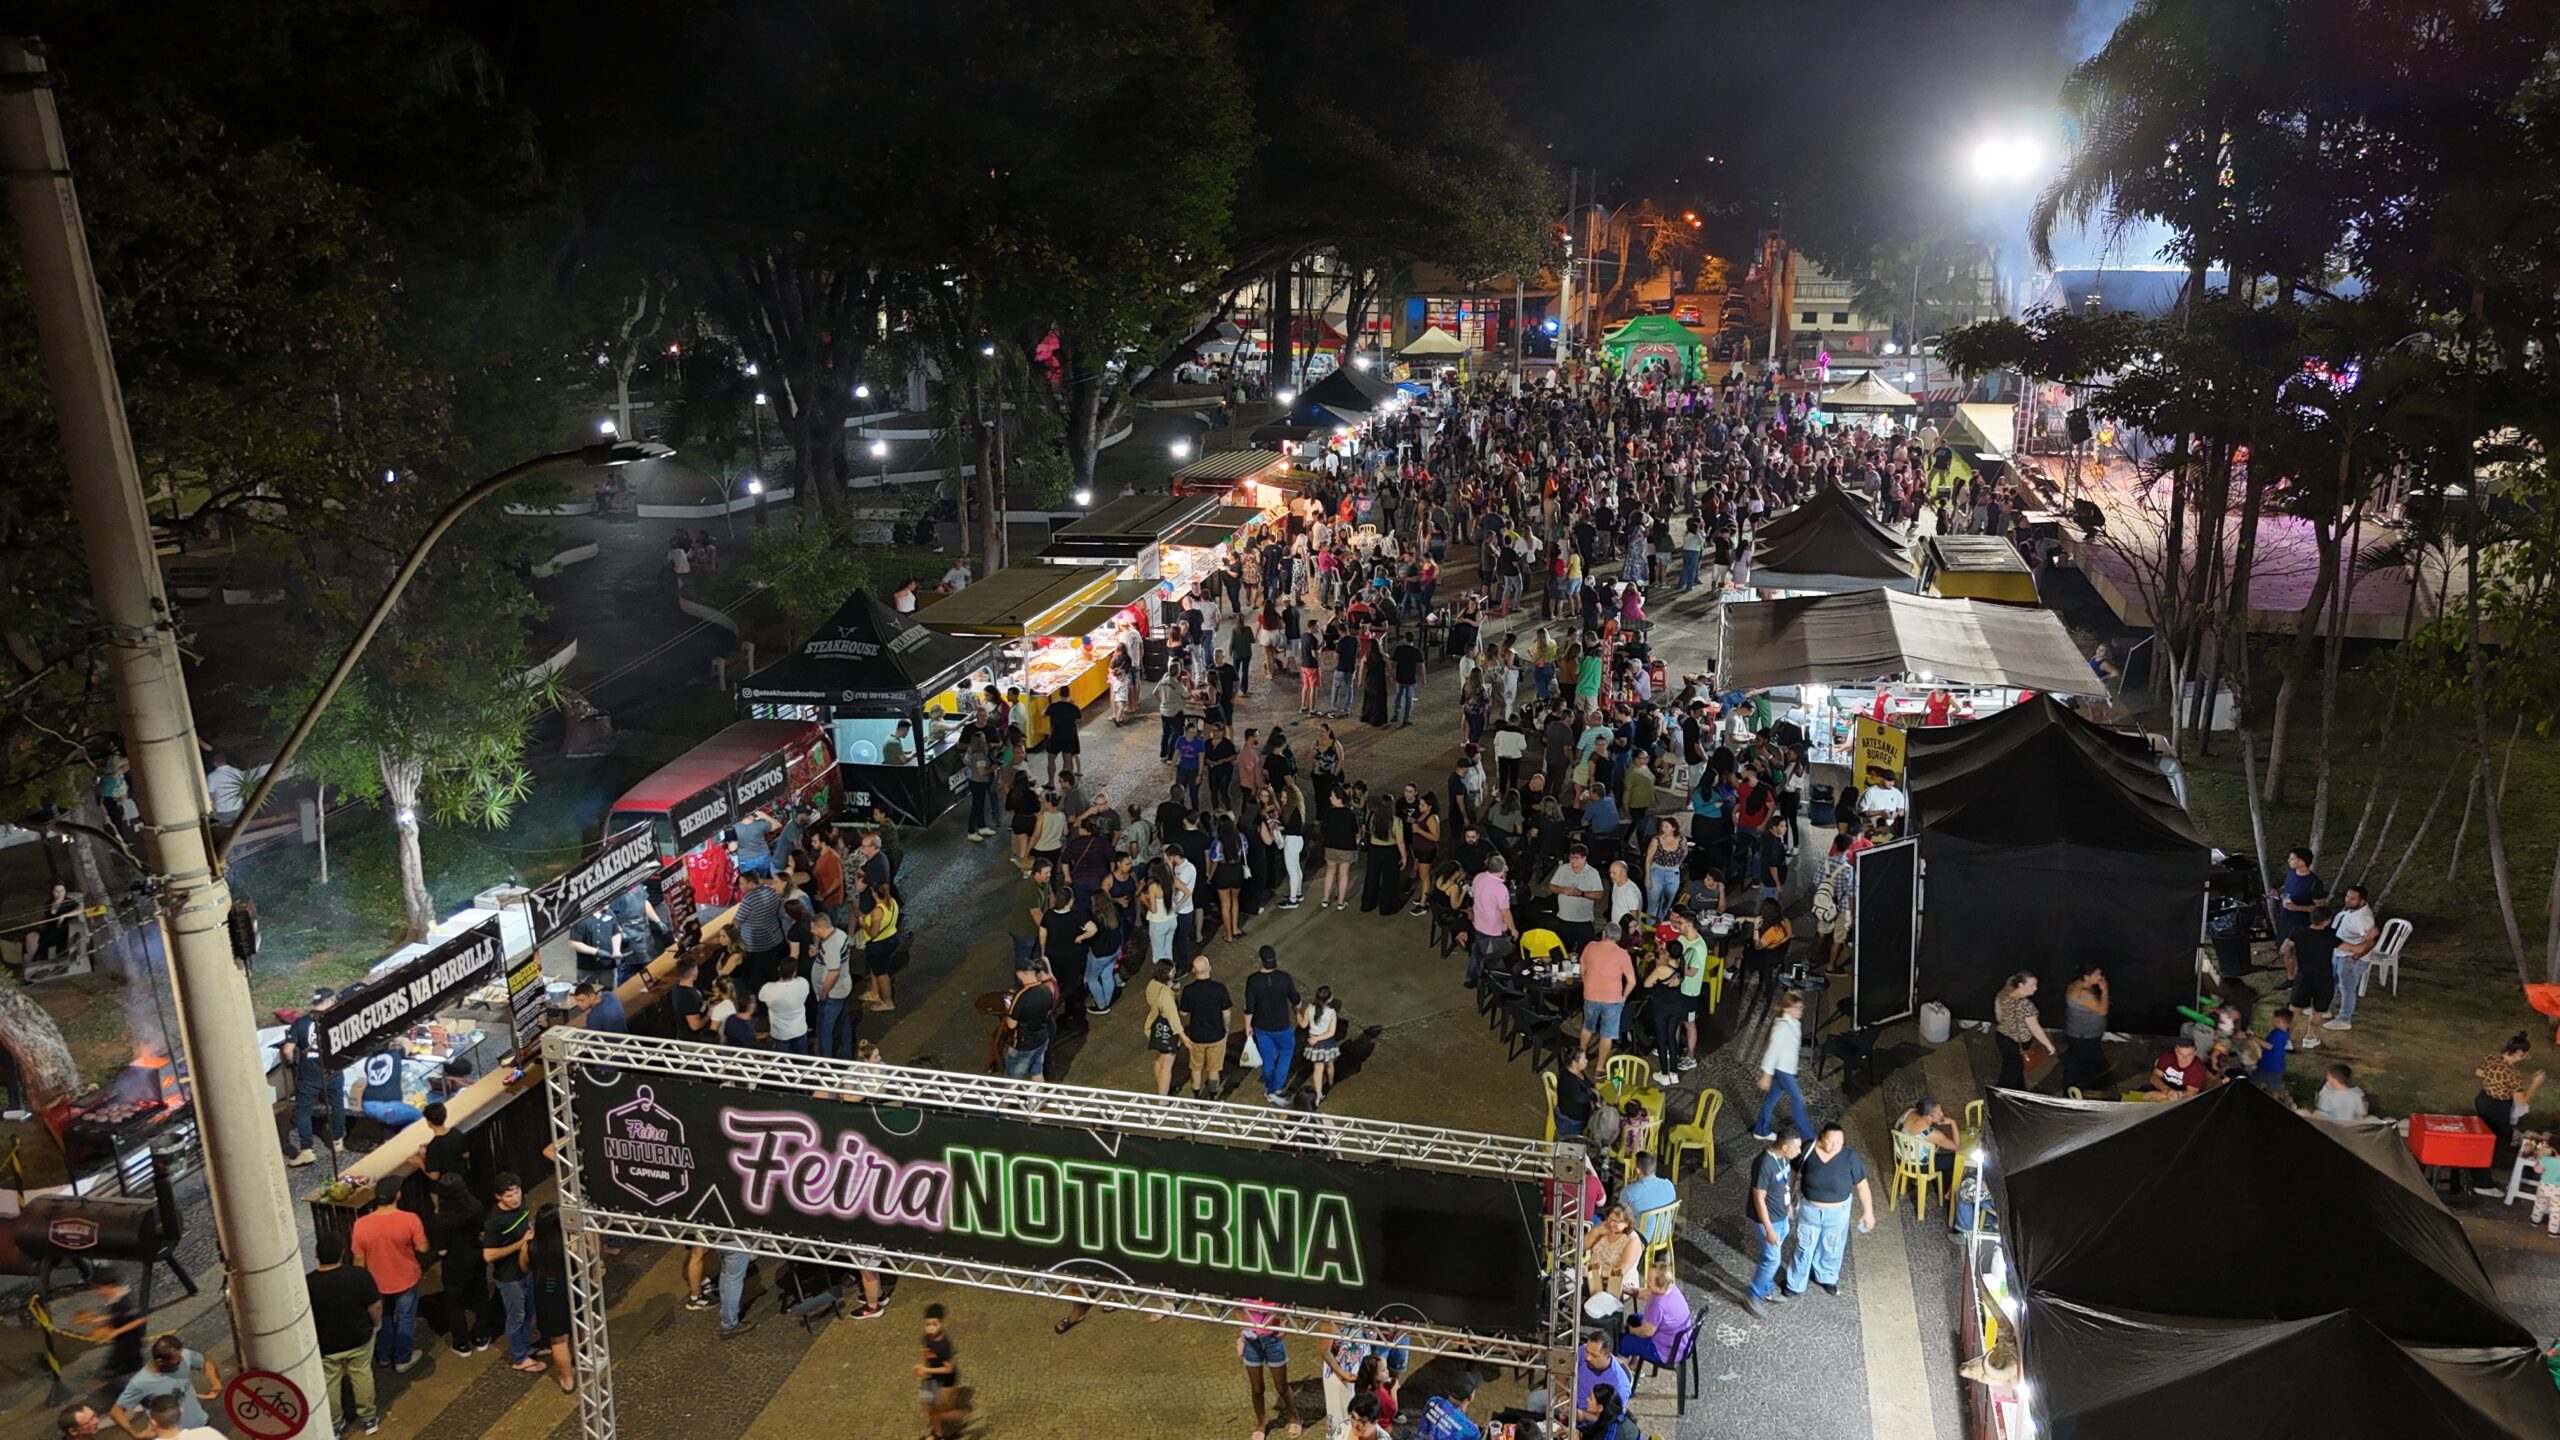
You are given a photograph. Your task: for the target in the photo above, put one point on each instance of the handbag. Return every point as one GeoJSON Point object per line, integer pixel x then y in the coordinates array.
{"type": "Point", "coordinates": [1160, 1037]}
{"type": "Point", "coordinates": [1251, 1057]}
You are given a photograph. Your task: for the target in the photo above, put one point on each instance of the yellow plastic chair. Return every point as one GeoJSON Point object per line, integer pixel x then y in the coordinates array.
{"type": "Point", "coordinates": [1973, 1119]}
{"type": "Point", "coordinates": [1629, 1074]}
{"type": "Point", "coordinates": [1698, 1134]}
{"type": "Point", "coordinates": [1659, 1228]}
{"type": "Point", "coordinates": [1539, 945]}
{"type": "Point", "coordinates": [1915, 1165]}
{"type": "Point", "coordinates": [2074, 1092]}
{"type": "Point", "coordinates": [1547, 1081]}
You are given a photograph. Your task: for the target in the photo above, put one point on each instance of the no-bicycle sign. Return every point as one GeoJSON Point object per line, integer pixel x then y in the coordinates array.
{"type": "Point", "coordinates": [265, 1405]}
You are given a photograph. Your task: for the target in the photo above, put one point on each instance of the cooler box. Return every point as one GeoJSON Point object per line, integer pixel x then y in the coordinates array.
{"type": "Point", "coordinates": [2460, 1142]}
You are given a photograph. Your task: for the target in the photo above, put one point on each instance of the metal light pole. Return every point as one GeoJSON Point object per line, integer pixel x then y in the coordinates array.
{"type": "Point", "coordinates": [252, 1210]}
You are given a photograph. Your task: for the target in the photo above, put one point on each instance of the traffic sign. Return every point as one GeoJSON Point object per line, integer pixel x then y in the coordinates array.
{"type": "Point", "coordinates": [265, 1405]}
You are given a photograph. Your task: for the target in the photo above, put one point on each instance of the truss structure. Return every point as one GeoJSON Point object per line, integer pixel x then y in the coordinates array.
{"type": "Point", "coordinates": [566, 1050]}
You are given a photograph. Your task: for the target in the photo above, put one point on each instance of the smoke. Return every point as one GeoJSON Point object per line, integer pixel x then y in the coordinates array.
{"type": "Point", "coordinates": [2001, 216]}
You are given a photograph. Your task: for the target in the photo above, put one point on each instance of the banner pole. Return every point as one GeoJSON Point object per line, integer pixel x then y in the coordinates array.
{"type": "Point", "coordinates": [590, 1348]}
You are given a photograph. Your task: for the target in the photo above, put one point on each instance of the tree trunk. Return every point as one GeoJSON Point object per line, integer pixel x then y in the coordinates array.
{"type": "Point", "coordinates": [2479, 680]}
{"type": "Point", "coordinates": [2470, 798]}
{"type": "Point", "coordinates": [401, 781]}
{"type": "Point", "coordinates": [2424, 823]}
{"type": "Point", "coordinates": [990, 495]}
{"type": "Point", "coordinates": [2306, 642]}
{"type": "Point", "coordinates": [1281, 357]}
{"type": "Point", "coordinates": [1081, 416]}
{"type": "Point", "coordinates": [2333, 657]}
{"type": "Point", "coordinates": [2257, 815]}
{"type": "Point", "coordinates": [35, 1042]}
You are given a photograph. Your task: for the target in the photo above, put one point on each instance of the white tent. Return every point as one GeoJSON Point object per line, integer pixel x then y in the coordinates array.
{"type": "Point", "coordinates": [1435, 341]}
{"type": "Point", "coordinates": [1870, 391]}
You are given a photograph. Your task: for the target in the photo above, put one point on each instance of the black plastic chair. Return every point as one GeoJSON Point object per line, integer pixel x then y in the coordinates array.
{"type": "Point", "coordinates": [1683, 1366]}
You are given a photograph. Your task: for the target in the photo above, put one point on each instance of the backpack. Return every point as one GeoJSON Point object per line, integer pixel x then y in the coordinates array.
{"type": "Point", "coordinates": [1826, 901]}
{"type": "Point", "coordinates": [1607, 1121]}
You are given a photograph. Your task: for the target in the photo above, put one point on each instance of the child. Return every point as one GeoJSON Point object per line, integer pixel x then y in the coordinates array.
{"type": "Point", "coordinates": [2545, 1158]}
{"type": "Point", "coordinates": [938, 1377]}
{"type": "Point", "coordinates": [2268, 1067]}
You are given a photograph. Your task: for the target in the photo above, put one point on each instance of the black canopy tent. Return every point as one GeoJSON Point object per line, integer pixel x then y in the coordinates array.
{"type": "Point", "coordinates": [2132, 1234]}
{"type": "Point", "coordinates": [2050, 842]}
{"type": "Point", "coordinates": [883, 684]}
{"type": "Point", "coordinates": [1835, 548]}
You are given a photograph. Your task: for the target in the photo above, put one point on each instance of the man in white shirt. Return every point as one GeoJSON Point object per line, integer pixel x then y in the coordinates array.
{"type": "Point", "coordinates": [786, 1008]}
{"type": "Point", "coordinates": [2358, 932]}
{"type": "Point", "coordinates": [1577, 887]}
{"type": "Point", "coordinates": [1778, 1067]}
{"type": "Point", "coordinates": [1186, 881]}
{"type": "Point", "coordinates": [1883, 803]}
{"type": "Point", "coordinates": [1626, 897]}
{"type": "Point", "coordinates": [955, 579]}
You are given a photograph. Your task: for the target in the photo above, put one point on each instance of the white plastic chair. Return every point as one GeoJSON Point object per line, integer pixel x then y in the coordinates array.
{"type": "Point", "coordinates": [2525, 1181]}
{"type": "Point", "coordinates": [2385, 959]}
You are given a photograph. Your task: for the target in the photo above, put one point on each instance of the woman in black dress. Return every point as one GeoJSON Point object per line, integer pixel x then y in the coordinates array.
{"type": "Point", "coordinates": [1373, 682]}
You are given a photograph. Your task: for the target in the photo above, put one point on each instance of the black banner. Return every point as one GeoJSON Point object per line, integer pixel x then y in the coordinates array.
{"type": "Point", "coordinates": [629, 856]}
{"type": "Point", "coordinates": [700, 817]}
{"type": "Point", "coordinates": [765, 783]}
{"type": "Point", "coordinates": [1421, 1246]}
{"type": "Point", "coordinates": [365, 1015]}
{"type": "Point", "coordinates": [675, 899]}
{"type": "Point", "coordinates": [528, 998]}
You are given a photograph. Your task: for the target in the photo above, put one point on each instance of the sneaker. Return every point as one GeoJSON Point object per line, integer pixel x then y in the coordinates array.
{"type": "Point", "coordinates": [734, 1331]}
{"type": "Point", "coordinates": [1764, 1135]}
{"type": "Point", "coordinates": [700, 1302]}
{"type": "Point", "coordinates": [1752, 1304]}
{"type": "Point", "coordinates": [2338, 1025]}
{"type": "Point", "coordinates": [302, 1159]}
{"type": "Point", "coordinates": [870, 1312]}
{"type": "Point", "coordinates": [1830, 1288]}
{"type": "Point", "coordinates": [1688, 1062]}
{"type": "Point", "coordinates": [2307, 1042]}
{"type": "Point", "coordinates": [405, 1366]}
{"type": "Point", "coordinates": [373, 1426]}
{"type": "Point", "coordinates": [1289, 904]}
{"type": "Point", "coordinates": [1098, 1010]}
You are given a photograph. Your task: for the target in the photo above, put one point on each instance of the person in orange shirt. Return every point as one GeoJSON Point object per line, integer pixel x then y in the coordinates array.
{"type": "Point", "coordinates": [388, 1241]}
{"type": "Point", "coordinates": [1608, 978]}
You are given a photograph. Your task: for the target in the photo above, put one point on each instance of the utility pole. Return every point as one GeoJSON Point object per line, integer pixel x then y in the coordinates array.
{"type": "Point", "coordinates": [244, 1167]}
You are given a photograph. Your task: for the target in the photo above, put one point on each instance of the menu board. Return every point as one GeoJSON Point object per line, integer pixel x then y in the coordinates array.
{"type": "Point", "coordinates": [675, 892]}
{"type": "Point", "coordinates": [528, 999]}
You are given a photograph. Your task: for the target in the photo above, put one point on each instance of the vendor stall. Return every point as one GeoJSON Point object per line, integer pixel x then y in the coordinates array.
{"type": "Point", "coordinates": [1976, 567]}
{"type": "Point", "coordinates": [1830, 639]}
{"type": "Point", "coordinates": [1830, 543]}
{"type": "Point", "coordinates": [1056, 626]}
{"type": "Point", "coordinates": [1655, 345]}
{"type": "Point", "coordinates": [2093, 1306]}
{"type": "Point", "coordinates": [888, 688]}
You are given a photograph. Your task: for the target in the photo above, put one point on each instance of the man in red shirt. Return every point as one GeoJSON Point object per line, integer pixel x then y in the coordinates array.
{"type": "Point", "coordinates": [1608, 978]}
{"type": "Point", "coordinates": [2180, 1073]}
{"type": "Point", "coordinates": [387, 1242]}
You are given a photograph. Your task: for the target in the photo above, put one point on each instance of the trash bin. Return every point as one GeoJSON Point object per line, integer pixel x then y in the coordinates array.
{"type": "Point", "coordinates": [1936, 1023]}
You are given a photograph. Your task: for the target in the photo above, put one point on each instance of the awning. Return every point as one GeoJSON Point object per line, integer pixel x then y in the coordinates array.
{"type": "Point", "coordinates": [1203, 536]}
{"type": "Point", "coordinates": [1017, 600]}
{"type": "Point", "coordinates": [1149, 515]}
{"type": "Point", "coordinates": [1097, 612]}
{"type": "Point", "coordinates": [1435, 341]}
{"type": "Point", "coordinates": [1838, 639]}
{"type": "Point", "coordinates": [1236, 517]}
{"type": "Point", "coordinates": [1870, 391]}
{"type": "Point", "coordinates": [1231, 465]}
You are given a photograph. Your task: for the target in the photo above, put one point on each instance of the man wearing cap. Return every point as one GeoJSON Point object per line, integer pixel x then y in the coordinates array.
{"type": "Point", "coordinates": [1271, 1008]}
{"type": "Point", "coordinates": [311, 1084]}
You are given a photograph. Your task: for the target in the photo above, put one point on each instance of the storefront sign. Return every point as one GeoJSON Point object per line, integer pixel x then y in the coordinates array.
{"type": "Point", "coordinates": [700, 817]}
{"type": "Point", "coordinates": [1422, 1246]}
{"type": "Point", "coordinates": [528, 998]}
{"type": "Point", "coordinates": [364, 1016]}
{"type": "Point", "coordinates": [1878, 747]}
{"type": "Point", "coordinates": [675, 897]}
{"type": "Point", "coordinates": [629, 856]}
{"type": "Point", "coordinates": [765, 783]}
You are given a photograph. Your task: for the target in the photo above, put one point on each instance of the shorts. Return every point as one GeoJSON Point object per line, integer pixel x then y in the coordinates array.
{"type": "Point", "coordinates": [2315, 988]}
{"type": "Point", "coordinates": [1841, 920]}
{"type": "Point", "coordinates": [1602, 1020]}
{"type": "Point", "coordinates": [1208, 1059]}
{"type": "Point", "coordinates": [1068, 744]}
{"type": "Point", "coordinates": [1268, 1351]}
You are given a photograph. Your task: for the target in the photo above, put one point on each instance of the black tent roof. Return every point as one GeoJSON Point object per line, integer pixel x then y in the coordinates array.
{"type": "Point", "coordinates": [2037, 774]}
{"type": "Point", "coordinates": [867, 653]}
{"type": "Point", "coordinates": [2180, 1209]}
{"type": "Point", "coordinates": [2104, 1374]}
{"type": "Point", "coordinates": [1836, 546]}
{"type": "Point", "coordinates": [1829, 501]}
{"type": "Point", "coordinates": [1349, 388]}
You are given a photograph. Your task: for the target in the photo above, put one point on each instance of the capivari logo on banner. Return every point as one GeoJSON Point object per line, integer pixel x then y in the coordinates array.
{"type": "Point", "coordinates": [645, 1153]}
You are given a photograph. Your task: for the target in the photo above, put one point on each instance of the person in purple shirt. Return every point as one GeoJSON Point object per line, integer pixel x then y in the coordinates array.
{"type": "Point", "coordinates": [1597, 1367]}
{"type": "Point", "coordinates": [1663, 1317]}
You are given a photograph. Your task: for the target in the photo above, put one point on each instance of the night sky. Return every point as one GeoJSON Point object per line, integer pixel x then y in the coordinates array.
{"type": "Point", "coordinates": [1886, 95]}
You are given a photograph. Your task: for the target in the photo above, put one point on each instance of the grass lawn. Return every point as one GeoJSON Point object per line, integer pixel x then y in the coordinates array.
{"type": "Point", "coordinates": [316, 934]}
{"type": "Point", "coordinates": [2459, 991]}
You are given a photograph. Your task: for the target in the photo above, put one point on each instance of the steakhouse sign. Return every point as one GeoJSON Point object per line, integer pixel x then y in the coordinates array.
{"type": "Point", "coordinates": [1220, 1220]}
